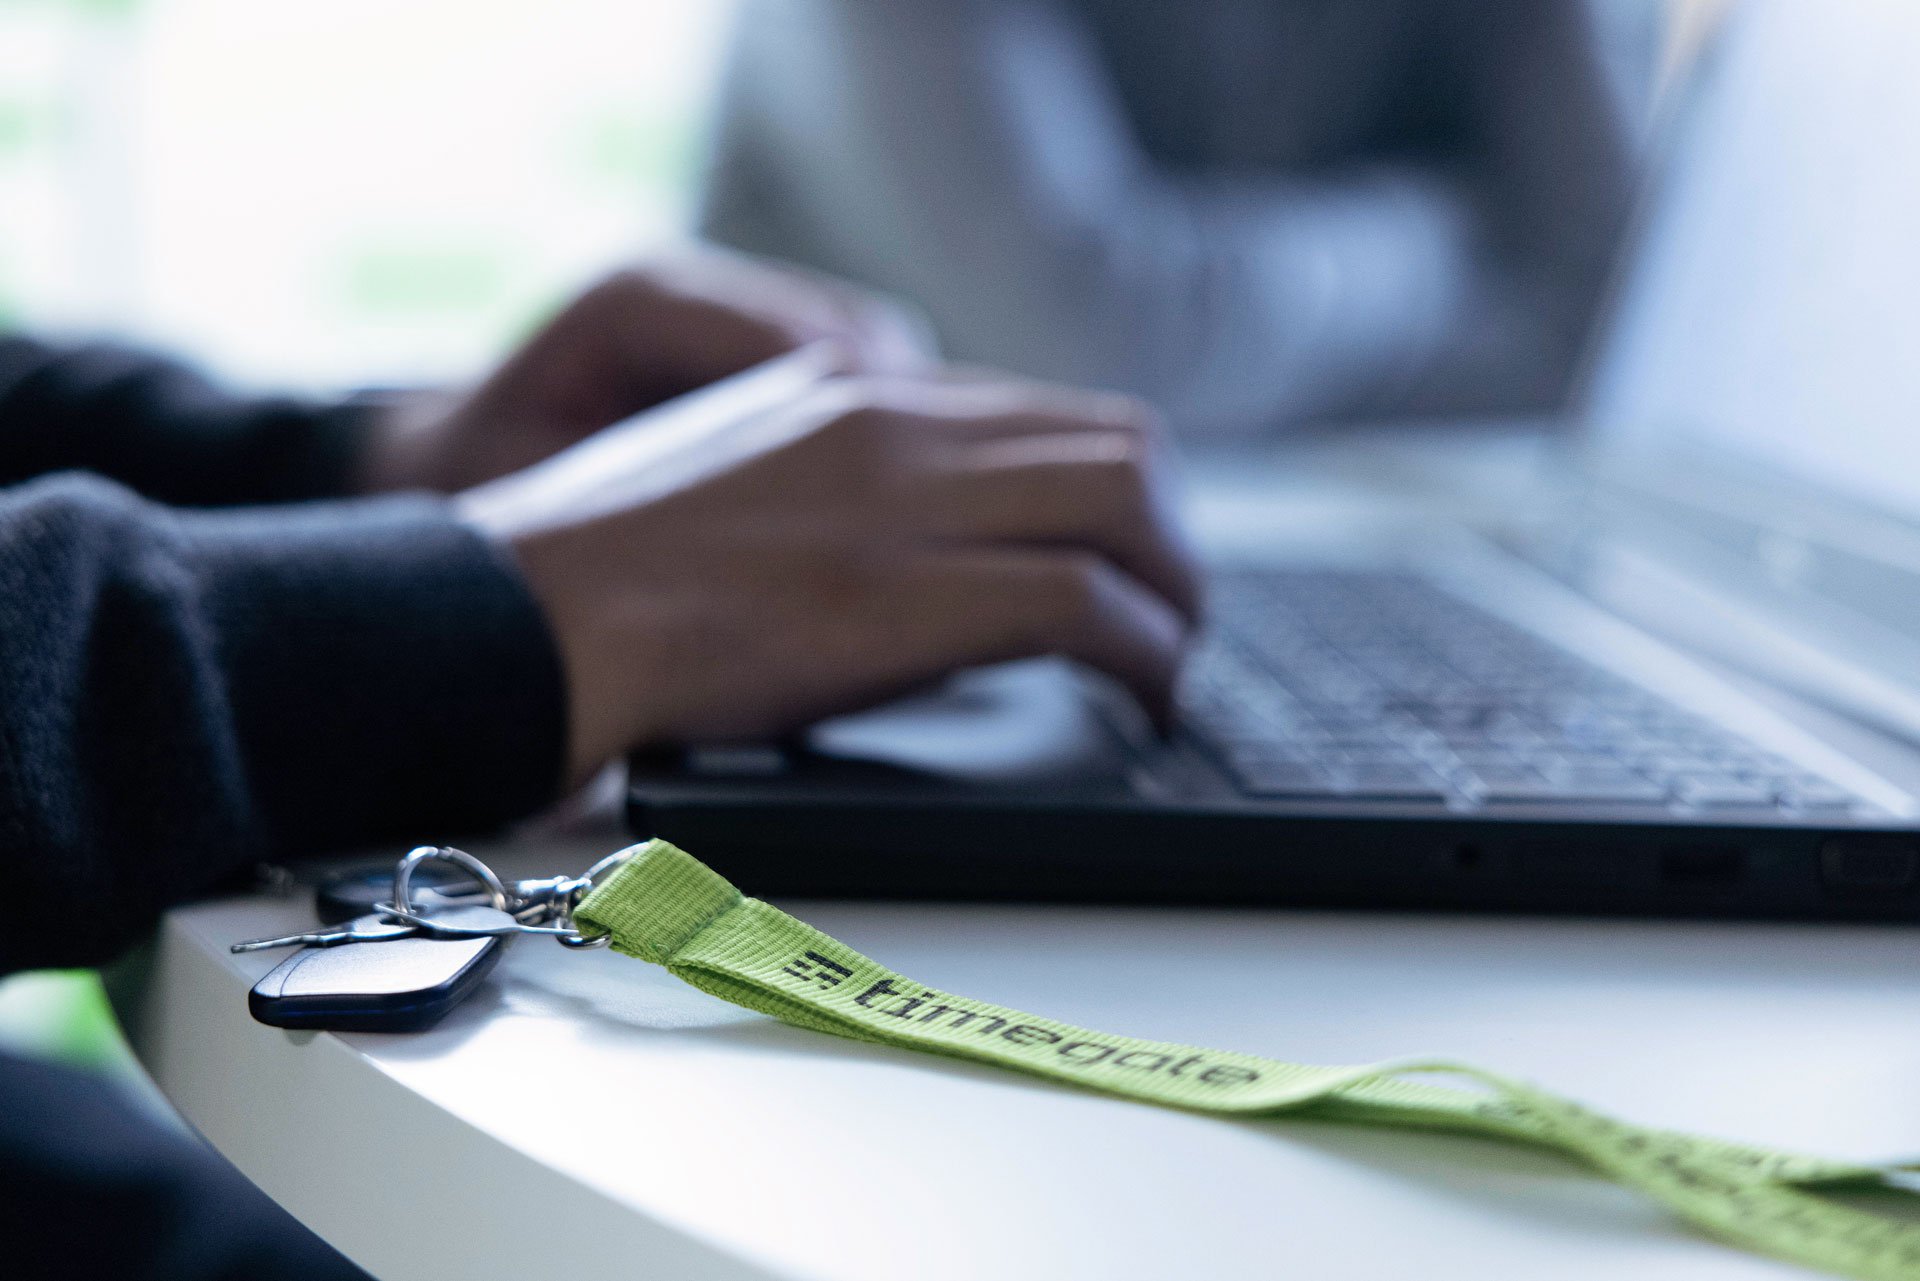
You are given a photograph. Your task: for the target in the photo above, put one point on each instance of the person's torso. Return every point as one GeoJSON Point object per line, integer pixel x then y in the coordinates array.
{"type": "Point", "coordinates": [1271, 84]}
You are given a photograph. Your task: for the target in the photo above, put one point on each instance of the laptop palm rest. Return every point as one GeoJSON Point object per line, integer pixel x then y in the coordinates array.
{"type": "Point", "coordinates": [1021, 724]}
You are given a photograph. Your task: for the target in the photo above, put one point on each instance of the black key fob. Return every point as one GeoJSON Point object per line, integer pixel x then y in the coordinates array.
{"type": "Point", "coordinates": [391, 985]}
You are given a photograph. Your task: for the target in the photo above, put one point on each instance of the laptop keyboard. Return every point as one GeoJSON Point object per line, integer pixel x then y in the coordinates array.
{"type": "Point", "coordinates": [1336, 684]}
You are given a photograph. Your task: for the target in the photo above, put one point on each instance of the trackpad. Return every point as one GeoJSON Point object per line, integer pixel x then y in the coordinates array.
{"type": "Point", "coordinates": [1036, 721]}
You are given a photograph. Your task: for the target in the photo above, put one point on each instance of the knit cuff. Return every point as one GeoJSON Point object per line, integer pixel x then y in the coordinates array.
{"type": "Point", "coordinates": [390, 676]}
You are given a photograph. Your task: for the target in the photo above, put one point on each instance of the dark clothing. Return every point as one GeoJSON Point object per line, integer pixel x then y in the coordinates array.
{"type": "Point", "coordinates": [187, 692]}
{"type": "Point", "coordinates": [163, 430]}
{"type": "Point", "coordinates": [92, 1188]}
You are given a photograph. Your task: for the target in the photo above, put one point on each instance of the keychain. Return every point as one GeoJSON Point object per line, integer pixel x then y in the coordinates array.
{"type": "Point", "coordinates": [435, 942]}
{"type": "Point", "coordinates": [418, 953]}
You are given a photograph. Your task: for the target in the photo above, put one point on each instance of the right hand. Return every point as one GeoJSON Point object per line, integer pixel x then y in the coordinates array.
{"type": "Point", "coordinates": [791, 544]}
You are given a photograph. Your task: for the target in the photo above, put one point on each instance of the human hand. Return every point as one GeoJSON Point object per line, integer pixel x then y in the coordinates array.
{"type": "Point", "coordinates": [635, 340]}
{"type": "Point", "coordinates": [794, 543]}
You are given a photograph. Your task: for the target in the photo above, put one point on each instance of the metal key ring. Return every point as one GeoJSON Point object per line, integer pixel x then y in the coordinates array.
{"type": "Point", "coordinates": [403, 876]}
{"type": "Point", "coordinates": [440, 927]}
{"type": "Point", "coordinates": [574, 938]}
{"type": "Point", "coordinates": [607, 864]}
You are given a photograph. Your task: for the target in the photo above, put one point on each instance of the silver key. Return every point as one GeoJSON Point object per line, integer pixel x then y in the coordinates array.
{"type": "Point", "coordinates": [373, 928]}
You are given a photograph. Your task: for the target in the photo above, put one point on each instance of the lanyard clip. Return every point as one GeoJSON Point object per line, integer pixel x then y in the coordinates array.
{"type": "Point", "coordinates": [542, 905]}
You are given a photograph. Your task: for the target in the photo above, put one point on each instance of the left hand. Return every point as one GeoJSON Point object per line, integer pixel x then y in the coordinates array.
{"type": "Point", "coordinates": [639, 338]}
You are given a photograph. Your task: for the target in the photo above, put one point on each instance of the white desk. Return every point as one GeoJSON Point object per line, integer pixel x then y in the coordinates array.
{"type": "Point", "coordinates": [588, 1115]}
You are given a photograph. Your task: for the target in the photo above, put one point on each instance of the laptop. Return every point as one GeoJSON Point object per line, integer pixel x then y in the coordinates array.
{"type": "Point", "coordinates": [1672, 669]}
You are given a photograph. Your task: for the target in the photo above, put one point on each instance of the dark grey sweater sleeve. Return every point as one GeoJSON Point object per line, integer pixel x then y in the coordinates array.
{"type": "Point", "coordinates": [183, 694]}
{"type": "Point", "coordinates": [162, 429]}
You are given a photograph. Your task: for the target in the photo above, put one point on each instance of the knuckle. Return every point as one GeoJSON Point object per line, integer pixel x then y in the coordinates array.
{"type": "Point", "coordinates": [864, 447]}
{"type": "Point", "coordinates": [1121, 481]}
{"type": "Point", "coordinates": [1076, 590]}
{"type": "Point", "coordinates": [861, 424]}
{"type": "Point", "coordinates": [625, 282]}
{"type": "Point", "coordinates": [870, 415]}
{"type": "Point", "coordinates": [1128, 415]}
{"type": "Point", "coordinates": [1128, 462]}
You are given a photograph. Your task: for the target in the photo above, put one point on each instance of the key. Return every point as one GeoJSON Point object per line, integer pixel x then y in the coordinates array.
{"type": "Point", "coordinates": [403, 982]}
{"type": "Point", "coordinates": [1624, 792]}
{"type": "Point", "coordinates": [1282, 779]}
{"type": "Point", "coordinates": [361, 929]}
{"type": "Point", "coordinates": [1396, 782]}
{"type": "Point", "coordinates": [1723, 791]}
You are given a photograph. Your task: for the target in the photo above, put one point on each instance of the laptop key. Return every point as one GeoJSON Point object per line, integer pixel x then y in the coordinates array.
{"type": "Point", "coordinates": [1396, 782]}
{"type": "Point", "coordinates": [1709, 792]}
{"type": "Point", "coordinates": [1640, 792]}
{"type": "Point", "coordinates": [1251, 759]}
{"type": "Point", "coordinates": [1810, 791]}
{"type": "Point", "coordinates": [1600, 778]}
{"type": "Point", "coordinates": [1488, 778]}
{"type": "Point", "coordinates": [1381, 755]}
{"type": "Point", "coordinates": [1367, 684]}
{"type": "Point", "coordinates": [1283, 779]}
{"type": "Point", "coordinates": [1490, 758]}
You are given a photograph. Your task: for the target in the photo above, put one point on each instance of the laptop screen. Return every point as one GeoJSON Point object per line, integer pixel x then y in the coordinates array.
{"type": "Point", "coordinates": [1772, 309]}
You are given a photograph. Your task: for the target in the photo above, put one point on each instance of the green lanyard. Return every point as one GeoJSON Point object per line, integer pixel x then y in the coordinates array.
{"type": "Point", "coordinates": [667, 907]}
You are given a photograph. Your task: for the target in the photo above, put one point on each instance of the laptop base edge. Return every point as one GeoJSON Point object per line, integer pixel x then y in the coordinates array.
{"type": "Point", "coordinates": [888, 848]}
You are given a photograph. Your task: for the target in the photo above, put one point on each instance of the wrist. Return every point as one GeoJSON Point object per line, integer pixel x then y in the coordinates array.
{"type": "Point", "coordinates": [598, 661]}
{"type": "Point", "coordinates": [399, 438]}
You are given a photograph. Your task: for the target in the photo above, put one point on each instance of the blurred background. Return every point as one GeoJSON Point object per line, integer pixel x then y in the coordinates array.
{"type": "Point", "coordinates": [365, 193]}
{"type": "Point", "coordinates": [357, 192]}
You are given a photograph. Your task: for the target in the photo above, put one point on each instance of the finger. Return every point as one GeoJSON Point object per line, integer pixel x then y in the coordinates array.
{"type": "Point", "coordinates": [992, 606]}
{"type": "Point", "coordinates": [758, 302]}
{"type": "Point", "coordinates": [717, 326]}
{"type": "Point", "coordinates": [980, 409]}
{"type": "Point", "coordinates": [741, 399]}
{"type": "Point", "coordinates": [885, 336]}
{"type": "Point", "coordinates": [645, 336]}
{"type": "Point", "coordinates": [1097, 491]}
{"type": "Point", "coordinates": [653, 452]}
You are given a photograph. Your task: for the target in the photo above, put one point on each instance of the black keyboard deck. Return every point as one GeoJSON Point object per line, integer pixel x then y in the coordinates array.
{"type": "Point", "coordinates": [1335, 684]}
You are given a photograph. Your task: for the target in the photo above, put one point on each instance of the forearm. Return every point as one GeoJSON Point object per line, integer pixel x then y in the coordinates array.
{"type": "Point", "coordinates": [1234, 306]}
{"type": "Point", "coordinates": [1393, 294]}
{"type": "Point", "coordinates": [165, 431]}
{"type": "Point", "coordinates": [1239, 307]}
{"type": "Point", "coordinates": [182, 695]}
